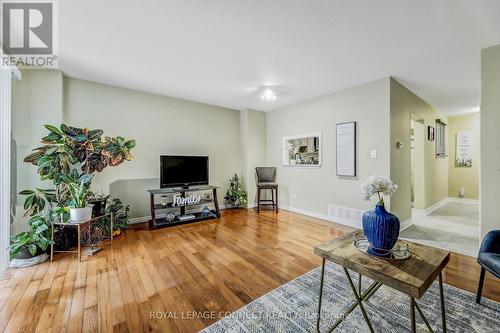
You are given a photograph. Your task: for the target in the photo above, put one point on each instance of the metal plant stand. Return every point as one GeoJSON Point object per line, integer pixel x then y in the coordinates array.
{"type": "Point", "coordinates": [85, 234]}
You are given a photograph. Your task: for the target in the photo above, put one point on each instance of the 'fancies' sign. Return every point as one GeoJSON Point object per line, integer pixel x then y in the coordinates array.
{"type": "Point", "coordinates": [179, 201]}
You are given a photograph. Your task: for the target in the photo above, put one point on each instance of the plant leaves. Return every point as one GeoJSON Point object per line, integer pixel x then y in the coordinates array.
{"type": "Point", "coordinates": [26, 192]}
{"type": "Point", "coordinates": [32, 249]}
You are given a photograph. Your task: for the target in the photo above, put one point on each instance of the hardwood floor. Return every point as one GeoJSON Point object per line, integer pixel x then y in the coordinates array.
{"type": "Point", "coordinates": [179, 279]}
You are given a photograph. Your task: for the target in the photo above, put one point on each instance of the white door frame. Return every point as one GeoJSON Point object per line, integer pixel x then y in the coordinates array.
{"type": "Point", "coordinates": [6, 75]}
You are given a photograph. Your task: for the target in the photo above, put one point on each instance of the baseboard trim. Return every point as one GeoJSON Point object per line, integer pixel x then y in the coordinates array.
{"type": "Point", "coordinates": [405, 224]}
{"type": "Point", "coordinates": [137, 220]}
{"type": "Point", "coordinates": [346, 222]}
{"type": "Point", "coordinates": [416, 213]}
{"type": "Point", "coordinates": [437, 205]}
{"type": "Point", "coordinates": [342, 221]}
{"type": "Point", "coordinates": [463, 200]}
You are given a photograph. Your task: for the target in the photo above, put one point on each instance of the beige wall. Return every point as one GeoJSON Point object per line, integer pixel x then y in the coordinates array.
{"type": "Point", "coordinates": [36, 101]}
{"type": "Point", "coordinates": [238, 141]}
{"type": "Point", "coordinates": [253, 148]}
{"type": "Point", "coordinates": [418, 164]}
{"type": "Point", "coordinates": [403, 104]}
{"type": "Point", "coordinates": [460, 176]}
{"type": "Point", "coordinates": [490, 139]}
{"type": "Point", "coordinates": [160, 125]}
{"type": "Point", "coordinates": [315, 188]}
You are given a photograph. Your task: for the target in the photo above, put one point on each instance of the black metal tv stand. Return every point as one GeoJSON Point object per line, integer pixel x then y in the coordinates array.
{"type": "Point", "coordinates": [194, 209]}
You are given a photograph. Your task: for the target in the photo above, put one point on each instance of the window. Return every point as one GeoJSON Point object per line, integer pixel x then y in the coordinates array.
{"type": "Point", "coordinates": [441, 142]}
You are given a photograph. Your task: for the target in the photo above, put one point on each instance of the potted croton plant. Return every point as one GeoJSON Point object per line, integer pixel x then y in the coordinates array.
{"type": "Point", "coordinates": [381, 228]}
{"type": "Point", "coordinates": [79, 209]}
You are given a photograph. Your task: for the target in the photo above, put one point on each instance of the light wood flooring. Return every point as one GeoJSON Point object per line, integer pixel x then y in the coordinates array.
{"type": "Point", "coordinates": [200, 270]}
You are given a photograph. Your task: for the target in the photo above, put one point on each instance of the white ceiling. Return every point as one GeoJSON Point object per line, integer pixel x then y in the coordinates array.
{"type": "Point", "coordinates": [220, 51]}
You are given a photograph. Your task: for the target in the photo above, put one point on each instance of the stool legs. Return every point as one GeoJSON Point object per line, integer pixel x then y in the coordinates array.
{"type": "Point", "coordinates": [274, 198]}
{"type": "Point", "coordinates": [277, 199]}
{"type": "Point", "coordinates": [258, 200]}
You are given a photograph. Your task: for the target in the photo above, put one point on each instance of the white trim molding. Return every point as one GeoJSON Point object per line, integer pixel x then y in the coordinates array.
{"type": "Point", "coordinates": [463, 200]}
{"type": "Point", "coordinates": [417, 213]}
{"type": "Point", "coordinates": [5, 160]}
{"type": "Point", "coordinates": [351, 217]}
{"type": "Point", "coordinates": [309, 213]}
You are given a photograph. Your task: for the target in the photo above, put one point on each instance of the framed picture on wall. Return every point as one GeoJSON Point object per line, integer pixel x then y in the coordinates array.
{"type": "Point", "coordinates": [302, 150]}
{"type": "Point", "coordinates": [346, 149]}
{"type": "Point", "coordinates": [430, 133]}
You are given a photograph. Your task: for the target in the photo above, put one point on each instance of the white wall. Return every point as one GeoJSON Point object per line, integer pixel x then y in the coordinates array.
{"type": "Point", "coordinates": [315, 188]}
{"type": "Point", "coordinates": [490, 139]}
{"type": "Point", "coordinates": [160, 125]}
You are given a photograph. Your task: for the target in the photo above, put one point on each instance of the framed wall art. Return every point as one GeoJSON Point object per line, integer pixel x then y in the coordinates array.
{"type": "Point", "coordinates": [346, 149]}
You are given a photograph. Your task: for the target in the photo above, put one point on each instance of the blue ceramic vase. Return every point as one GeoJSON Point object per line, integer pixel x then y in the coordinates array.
{"type": "Point", "coordinates": [381, 229]}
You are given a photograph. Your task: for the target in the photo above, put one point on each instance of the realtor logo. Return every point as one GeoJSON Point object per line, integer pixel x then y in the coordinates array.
{"type": "Point", "coordinates": [28, 29]}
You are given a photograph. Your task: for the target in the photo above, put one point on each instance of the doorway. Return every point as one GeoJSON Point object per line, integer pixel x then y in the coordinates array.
{"type": "Point", "coordinates": [445, 216]}
{"type": "Point", "coordinates": [417, 164]}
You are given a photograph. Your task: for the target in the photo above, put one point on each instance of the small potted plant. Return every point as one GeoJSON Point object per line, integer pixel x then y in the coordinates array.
{"type": "Point", "coordinates": [98, 201]}
{"type": "Point", "coordinates": [380, 227]}
{"type": "Point", "coordinates": [31, 243]}
{"type": "Point", "coordinates": [78, 192]}
{"type": "Point", "coordinates": [236, 195]}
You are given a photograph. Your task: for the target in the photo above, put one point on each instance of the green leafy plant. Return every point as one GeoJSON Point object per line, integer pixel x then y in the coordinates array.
{"type": "Point", "coordinates": [236, 195]}
{"type": "Point", "coordinates": [69, 152]}
{"type": "Point", "coordinates": [37, 200]}
{"type": "Point", "coordinates": [68, 158]}
{"type": "Point", "coordinates": [117, 150]}
{"type": "Point", "coordinates": [78, 190]}
{"type": "Point", "coordinates": [120, 215]}
{"type": "Point", "coordinates": [97, 196]}
{"type": "Point", "coordinates": [38, 237]}
{"type": "Point", "coordinates": [66, 147]}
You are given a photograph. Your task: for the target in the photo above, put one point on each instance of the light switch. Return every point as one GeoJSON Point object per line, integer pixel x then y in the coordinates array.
{"type": "Point", "coordinates": [373, 153]}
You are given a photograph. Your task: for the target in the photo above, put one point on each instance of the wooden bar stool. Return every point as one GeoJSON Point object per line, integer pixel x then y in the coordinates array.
{"type": "Point", "coordinates": [266, 180]}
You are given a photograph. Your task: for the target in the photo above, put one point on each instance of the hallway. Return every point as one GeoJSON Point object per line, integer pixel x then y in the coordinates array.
{"type": "Point", "coordinates": [453, 226]}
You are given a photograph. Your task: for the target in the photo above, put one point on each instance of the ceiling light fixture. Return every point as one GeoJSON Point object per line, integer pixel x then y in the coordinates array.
{"type": "Point", "coordinates": [268, 94]}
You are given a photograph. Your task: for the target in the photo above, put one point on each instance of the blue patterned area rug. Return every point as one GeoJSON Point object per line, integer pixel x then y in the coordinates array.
{"type": "Point", "coordinates": [293, 306]}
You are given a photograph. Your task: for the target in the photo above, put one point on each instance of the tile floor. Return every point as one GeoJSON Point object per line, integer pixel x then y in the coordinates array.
{"type": "Point", "coordinates": [453, 226]}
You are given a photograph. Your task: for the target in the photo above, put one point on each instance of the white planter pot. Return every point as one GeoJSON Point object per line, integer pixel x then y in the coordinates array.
{"type": "Point", "coordinates": [80, 214]}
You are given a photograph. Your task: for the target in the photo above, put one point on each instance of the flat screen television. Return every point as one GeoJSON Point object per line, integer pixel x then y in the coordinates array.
{"type": "Point", "coordinates": [183, 171]}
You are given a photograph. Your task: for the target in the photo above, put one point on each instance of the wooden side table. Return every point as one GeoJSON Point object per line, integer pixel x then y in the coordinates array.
{"type": "Point", "coordinates": [79, 229]}
{"type": "Point", "coordinates": [412, 276]}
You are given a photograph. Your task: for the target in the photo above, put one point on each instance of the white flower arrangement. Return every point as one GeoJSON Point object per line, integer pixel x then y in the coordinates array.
{"type": "Point", "coordinates": [378, 185]}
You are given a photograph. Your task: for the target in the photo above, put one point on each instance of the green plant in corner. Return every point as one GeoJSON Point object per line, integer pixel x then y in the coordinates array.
{"type": "Point", "coordinates": [236, 195]}
{"type": "Point", "coordinates": [78, 190]}
{"type": "Point", "coordinates": [37, 200]}
{"type": "Point", "coordinates": [68, 157]}
{"type": "Point", "coordinates": [35, 240]}
{"type": "Point", "coordinates": [120, 214]}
